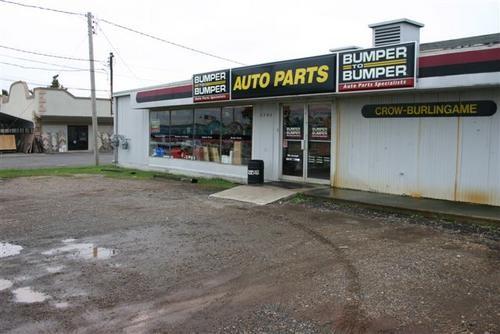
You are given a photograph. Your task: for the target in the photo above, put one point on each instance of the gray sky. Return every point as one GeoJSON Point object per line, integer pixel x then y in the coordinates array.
{"type": "Point", "coordinates": [250, 32]}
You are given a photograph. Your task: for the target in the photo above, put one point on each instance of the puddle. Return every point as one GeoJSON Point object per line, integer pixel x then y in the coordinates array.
{"type": "Point", "coordinates": [61, 305]}
{"type": "Point", "coordinates": [7, 249]}
{"type": "Point", "coordinates": [67, 241]}
{"type": "Point", "coordinates": [28, 295]}
{"type": "Point", "coordinates": [82, 251]}
{"type": "Point", "coordinates": [55, 269]}
{"type": "Point", "coordinates": [5, 284]}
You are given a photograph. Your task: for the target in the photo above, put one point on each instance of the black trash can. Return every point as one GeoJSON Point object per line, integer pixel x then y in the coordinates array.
{"type": "Point", "coordinates": [256, 172]}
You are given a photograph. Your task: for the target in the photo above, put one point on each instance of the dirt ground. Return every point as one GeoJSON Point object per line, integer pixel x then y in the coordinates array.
{"type": "Point", "coordinates": [103, 255]}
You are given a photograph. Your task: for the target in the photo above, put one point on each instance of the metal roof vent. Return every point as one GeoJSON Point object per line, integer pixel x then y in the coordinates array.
{"type": "Point", "coordinates": [395, 31]}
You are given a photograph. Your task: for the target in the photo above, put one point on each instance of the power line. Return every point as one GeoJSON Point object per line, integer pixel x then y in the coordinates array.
{"type": "Point", "coordinates": [121, 58]}
{"type": "Point", "coordinates": [43, 8]}
{"type": "Point", "coordinates": [45, 54]}
{"type": "Point", "coordinates": [116, 51]}
{"type": "Point", "coordinates": [45, 85]}
{"type": "Point", "coordinates": [128, 29]}
{"type": "Point", "coordinates": [170, 42]}
{"type": "Point", "coordinates": [42, 62]}
{"type": "Point", "coordinates": [47, 69]}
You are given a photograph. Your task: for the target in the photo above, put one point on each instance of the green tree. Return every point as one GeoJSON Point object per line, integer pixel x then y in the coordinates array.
{"type": "Point", "coordinates": [55, 82]}
{"type": "Point", "coordinates": [4, 92]}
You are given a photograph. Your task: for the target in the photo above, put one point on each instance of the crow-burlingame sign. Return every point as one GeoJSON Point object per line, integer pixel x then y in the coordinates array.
{"type": "Point", "coordinates": [432, 109]}
{"type": "Point", "coordinates": [211, 86]}
{"type": "Point", "coordinates": [386, 67]}
{"type": "Point", "coordinates": [292, 77]}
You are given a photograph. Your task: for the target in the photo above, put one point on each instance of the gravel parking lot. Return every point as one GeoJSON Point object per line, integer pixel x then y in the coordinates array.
{"type": "Point", "coordinates": [105, 255]}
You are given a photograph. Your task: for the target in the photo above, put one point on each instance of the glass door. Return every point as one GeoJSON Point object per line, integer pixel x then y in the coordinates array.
{"type": "Point", "coordinates": [293, 140]}
{"type": "Point", "coordinates": [306, 149]}
{"type": "Point", "coordinates": [319, 118]}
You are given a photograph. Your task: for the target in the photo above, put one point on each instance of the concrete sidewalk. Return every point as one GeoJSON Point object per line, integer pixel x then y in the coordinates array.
{"type": "Point", "coordinates": [424, 206]}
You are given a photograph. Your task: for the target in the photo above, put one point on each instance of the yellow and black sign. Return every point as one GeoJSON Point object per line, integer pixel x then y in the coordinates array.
{"type": "Point", "coordinates": [433, 109]}
{"type": "Point", "coordinates": [292, 77]}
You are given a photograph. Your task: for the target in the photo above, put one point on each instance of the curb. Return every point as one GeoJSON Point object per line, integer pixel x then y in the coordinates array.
{"type": "Point", "coordinates": [423, 212]}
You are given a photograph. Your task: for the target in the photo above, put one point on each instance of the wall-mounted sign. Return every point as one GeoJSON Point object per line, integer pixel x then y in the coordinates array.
{"type": "Point", "coordinates": [211, 86]}
{"type": "Point", "coordinates": [386, 67]}
{"type": "Point", "coordinates": [433, 109]}
{"type": "Point", "coordinates": [292, 77]}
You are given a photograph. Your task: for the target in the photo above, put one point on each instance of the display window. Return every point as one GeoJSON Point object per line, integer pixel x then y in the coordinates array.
{"type": "Point", "coordinates": [221, 135]}
{"type": "Point", "coordinates": [207, 128]}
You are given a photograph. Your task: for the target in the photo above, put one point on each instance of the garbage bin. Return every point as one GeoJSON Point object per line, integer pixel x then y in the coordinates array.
{"type": "Point", "coordinates": [255, 172]}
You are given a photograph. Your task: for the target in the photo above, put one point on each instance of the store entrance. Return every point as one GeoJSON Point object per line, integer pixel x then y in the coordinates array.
{"type": "Point", "coordinates": [78, 137]}
{"type": "Point", "coordinates": [306, 146]}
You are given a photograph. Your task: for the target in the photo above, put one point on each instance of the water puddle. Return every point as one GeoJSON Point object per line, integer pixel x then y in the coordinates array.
{"type": "Point", "coordinates": [5, 284]}
{"type": "Point", "coordinates": [28, 295]}
{"type": "Point", "coordinates": [81, 250]}
{"type": "Point", "coordinates": [7, 249]}
{"type": "Point", "coordinates": [61, 305]}
{"type": "Point", "coordinates": [54, 269]}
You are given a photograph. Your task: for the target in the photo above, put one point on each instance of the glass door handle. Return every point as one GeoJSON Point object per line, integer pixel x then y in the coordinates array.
{"type": "Point", "coordinates": [302, 145]}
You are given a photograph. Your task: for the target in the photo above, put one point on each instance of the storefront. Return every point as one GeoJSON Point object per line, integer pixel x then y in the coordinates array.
{"type": "Point", "coordinates": [400, 118]}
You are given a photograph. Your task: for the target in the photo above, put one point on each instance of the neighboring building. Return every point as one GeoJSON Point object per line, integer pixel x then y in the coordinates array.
{"type": "Point", "coordinates": [53, 120]}
{"type": "Point", "coordinates": [400, 118]}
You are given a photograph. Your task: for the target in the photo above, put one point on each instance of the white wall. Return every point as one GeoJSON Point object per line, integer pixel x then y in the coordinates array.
{"type": "Point", "coordinates": [134, 124]}
{"type": "Point", "coordinates": [448, 158]}
{"type": "Point", "coordinates": [56, 102]}
{"type": "Point", "coordinates": [265, 138]}
{"type": "Point", "coordinates": [20, 103]}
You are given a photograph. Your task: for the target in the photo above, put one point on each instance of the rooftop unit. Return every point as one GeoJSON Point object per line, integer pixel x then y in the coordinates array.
{"type": "Point", "coordinates": [395, 31]}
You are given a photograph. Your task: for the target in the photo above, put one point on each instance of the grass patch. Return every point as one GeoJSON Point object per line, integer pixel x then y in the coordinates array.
{"type": "Point", "coordinates": [300, 198]}
{"type": "Point", "coordinates": [113, 172]}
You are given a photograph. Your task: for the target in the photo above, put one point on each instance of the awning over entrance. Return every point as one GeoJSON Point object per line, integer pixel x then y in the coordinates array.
{"type": "Point", "coordinates": [11, 124]}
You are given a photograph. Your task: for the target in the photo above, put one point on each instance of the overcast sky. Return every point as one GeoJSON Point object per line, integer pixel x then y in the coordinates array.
{"type": "Point", "coordinates": [250, 32]}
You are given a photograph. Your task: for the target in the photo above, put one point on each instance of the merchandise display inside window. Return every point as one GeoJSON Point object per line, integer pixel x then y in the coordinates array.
{"type": "Point", "coordinates": [222, 135]}
{"type": "Point", "coordinates": [181, 134]}
{"type": "Point", "coordinates": [159, 122]}
{"type": "Point", "coordinates": [236, 145]}
{"type": "Point", "coordinates": [207, 134]}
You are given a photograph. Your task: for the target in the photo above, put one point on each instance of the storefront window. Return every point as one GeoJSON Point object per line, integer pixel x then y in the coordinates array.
{"type": "Point", "coordinates": [159, 128]}
{"type": "Point", "coordinates": [236, 135]}
{"type": "Point", "coordinates": [181, 133]}
{"type": "Point", "coordinates": [207, 134]}
{"type": "Point", "coordinates": [221, 135]}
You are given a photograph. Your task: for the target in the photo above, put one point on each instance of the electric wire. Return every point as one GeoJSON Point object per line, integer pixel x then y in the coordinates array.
{"type": "Point", "coordinates": [130, 30]}
{"type": "Point", "coordinates": [43, 62]}
{"type": "Point", "coordinates": [46, 54]}
{"type": "Point", "coordinates": [43, 8]}
{"type": "Point", "coordinates": [170, 42]}
{"type": "Point", "coordinates": [121, 58]}
{"type": "Point", "coordinates": [45, 85]}
{"type": "Point", "coordinates": [48, 69]}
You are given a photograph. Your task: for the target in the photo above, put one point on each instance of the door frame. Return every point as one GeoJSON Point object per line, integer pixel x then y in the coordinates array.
{"type": "Point", "coordinates": [68, 126]}
{"type": "Point", "coordinates": [305, 151]}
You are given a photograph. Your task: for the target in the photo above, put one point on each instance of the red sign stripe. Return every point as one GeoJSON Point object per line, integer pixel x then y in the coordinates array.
{"type": "Point", "coordinates": [460, 58]}
{"type": "Point", "coordinates": [166, 91]}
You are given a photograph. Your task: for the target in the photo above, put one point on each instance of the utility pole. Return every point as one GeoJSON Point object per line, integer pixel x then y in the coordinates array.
{"type": "Point", "coordinates": [92, 86]}
{"type": "Point", "coordinates": [111, 56]}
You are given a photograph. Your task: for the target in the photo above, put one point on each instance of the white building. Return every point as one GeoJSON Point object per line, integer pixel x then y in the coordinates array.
{"type": "Point", "coordinates": [400, 118]}
{"type": "Point", "coordinates": [54, 119]}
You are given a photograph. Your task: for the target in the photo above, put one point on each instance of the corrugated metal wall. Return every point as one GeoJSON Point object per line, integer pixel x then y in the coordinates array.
{"type": "Point", "coordinates": [448, 158]}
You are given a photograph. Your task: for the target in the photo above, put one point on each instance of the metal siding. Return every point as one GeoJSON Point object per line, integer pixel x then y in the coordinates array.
{"type": "Point", "coordinates": [446, 158]}
{"type": "Point", "coordinates": [478, 180]}
{"type": "Point", "coordinates": [375, 154]}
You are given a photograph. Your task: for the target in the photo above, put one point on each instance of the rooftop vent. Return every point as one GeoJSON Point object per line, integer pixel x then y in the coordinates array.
{"type": "Point", "coordinates": [395, 31]}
